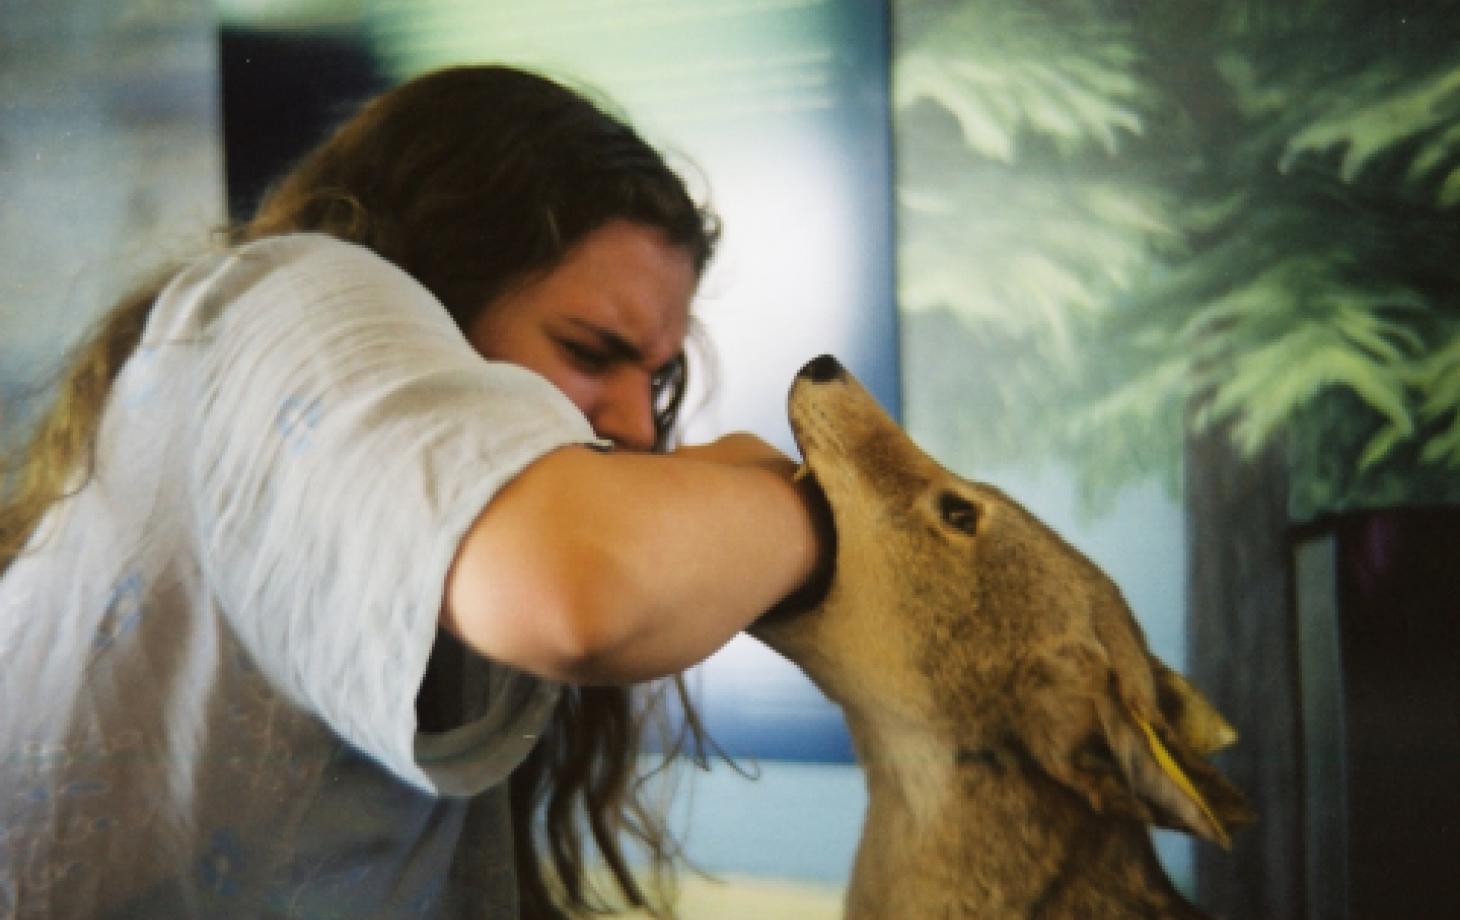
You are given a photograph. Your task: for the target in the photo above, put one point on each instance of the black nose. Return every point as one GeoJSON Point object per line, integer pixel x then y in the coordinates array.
{"type": "Point", "coordinates": [822, 370]}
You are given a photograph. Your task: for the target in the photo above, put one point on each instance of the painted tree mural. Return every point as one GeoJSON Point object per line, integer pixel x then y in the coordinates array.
{"type": "Point", "coordinates": [1123, 210]}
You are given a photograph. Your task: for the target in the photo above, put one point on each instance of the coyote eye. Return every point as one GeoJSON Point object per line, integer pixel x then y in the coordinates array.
{"type": "Point", "coordinates": [958, 512]}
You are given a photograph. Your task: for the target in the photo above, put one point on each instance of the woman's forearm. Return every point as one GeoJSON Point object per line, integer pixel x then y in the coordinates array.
{"type": "Point", "coordinates": [613, 568]}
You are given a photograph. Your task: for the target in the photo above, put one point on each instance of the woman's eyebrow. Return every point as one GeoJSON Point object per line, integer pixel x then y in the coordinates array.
{"type": "Point", "coordinates": [618, 347]}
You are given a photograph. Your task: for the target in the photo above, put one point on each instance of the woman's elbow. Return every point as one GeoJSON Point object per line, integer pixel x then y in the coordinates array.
{"type": "Point", "coordinates": [562, 619]}
{"type": "Point", "coordinates": [579, 634]}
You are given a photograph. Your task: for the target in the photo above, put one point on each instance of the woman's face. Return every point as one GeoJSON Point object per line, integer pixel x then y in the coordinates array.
{"type": "Point", "coordinates": [601, 326]}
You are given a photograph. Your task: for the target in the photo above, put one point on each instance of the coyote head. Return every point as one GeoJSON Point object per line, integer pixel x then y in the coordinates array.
{"type": "Point", "coordinates": [953, 612]}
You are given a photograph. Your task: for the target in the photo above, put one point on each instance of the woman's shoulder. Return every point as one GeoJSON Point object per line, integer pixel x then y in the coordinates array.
{"type": "Point", "coordinates": [297, 271]}
{"type": "Point", "coordinates": [311, 255]}
{"type": "Point", "coordinates": [316, 256]}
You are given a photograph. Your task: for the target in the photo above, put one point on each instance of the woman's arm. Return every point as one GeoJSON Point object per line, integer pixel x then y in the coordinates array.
{"type": "Point", "coordinates": [617, 567]}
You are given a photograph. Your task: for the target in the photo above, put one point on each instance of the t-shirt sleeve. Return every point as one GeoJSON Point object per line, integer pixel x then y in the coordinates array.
{"type": "Point", "coordinates": [348, 435]}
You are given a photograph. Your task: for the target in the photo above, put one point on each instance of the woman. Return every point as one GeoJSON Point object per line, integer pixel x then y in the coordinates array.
{"type": "Point", "coordinates": [294, 580]}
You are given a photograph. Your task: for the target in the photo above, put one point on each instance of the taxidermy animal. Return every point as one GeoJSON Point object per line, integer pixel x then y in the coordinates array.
{"type": "Point", "coordinates": [1016, 735]}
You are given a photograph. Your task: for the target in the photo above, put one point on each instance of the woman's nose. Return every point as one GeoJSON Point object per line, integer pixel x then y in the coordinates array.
{"type": "Point", "coordinates": [624, 414]}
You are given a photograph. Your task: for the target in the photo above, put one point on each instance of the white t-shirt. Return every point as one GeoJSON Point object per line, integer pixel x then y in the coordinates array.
{"type": "Point", "coordinates": [209, 656]}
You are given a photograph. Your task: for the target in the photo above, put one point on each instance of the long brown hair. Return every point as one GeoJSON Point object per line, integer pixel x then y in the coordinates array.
{"type": "Point", "coordinates": [472, 180]}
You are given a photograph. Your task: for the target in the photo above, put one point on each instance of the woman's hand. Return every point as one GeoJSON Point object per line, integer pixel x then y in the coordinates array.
{"type": "Point", "coordinates": [739, 448]}
{"type": "Point", "coordinates": [616, 567]}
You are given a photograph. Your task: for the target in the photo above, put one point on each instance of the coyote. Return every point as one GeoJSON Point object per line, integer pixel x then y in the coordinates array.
{"type": "Point", "coordinates": [1016, 734]}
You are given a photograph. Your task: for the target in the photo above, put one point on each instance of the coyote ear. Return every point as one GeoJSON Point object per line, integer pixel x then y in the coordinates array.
{"type": "Point", "coordinates": [1169, 784]}
{"type": "Point", "coordinates": [1125, 760]}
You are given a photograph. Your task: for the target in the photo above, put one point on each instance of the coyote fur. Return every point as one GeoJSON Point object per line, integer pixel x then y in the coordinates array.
{"type": "Point", "coordinates": [1016, 735]}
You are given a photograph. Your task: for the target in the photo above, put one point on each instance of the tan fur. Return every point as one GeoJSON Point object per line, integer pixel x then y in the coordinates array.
{"type": "Point", "coordinates": [995, 685]}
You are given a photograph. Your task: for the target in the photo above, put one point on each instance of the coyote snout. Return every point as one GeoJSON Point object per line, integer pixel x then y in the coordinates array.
{"type": "Point", "coordinates": [1016, 733]}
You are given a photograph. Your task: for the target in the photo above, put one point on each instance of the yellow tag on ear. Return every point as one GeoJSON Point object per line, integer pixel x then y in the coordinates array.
{"type": "Point", "coordinates": [1173, 771]}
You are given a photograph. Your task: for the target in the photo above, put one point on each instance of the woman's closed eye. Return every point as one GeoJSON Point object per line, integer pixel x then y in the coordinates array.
{"type": "Point", "coordinates": [586, 358]}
